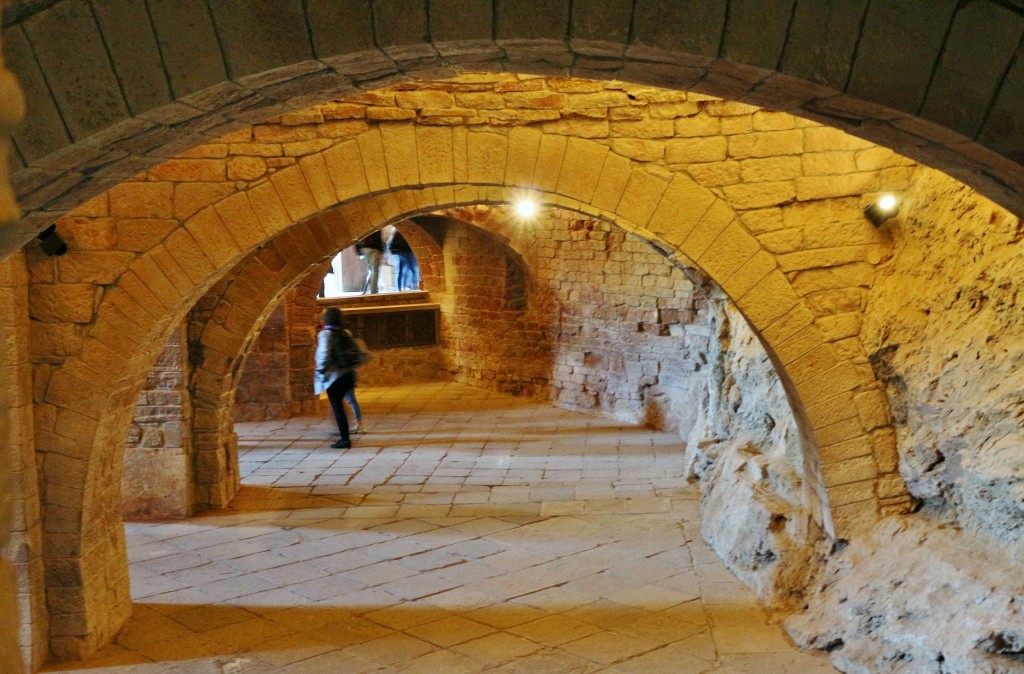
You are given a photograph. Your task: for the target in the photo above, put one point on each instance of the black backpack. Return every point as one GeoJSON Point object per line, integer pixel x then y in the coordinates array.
{"type": "Point", "coordinates": [346, 351]}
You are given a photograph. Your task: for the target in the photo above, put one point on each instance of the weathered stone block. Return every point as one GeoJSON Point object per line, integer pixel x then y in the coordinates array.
{"type": "Point", "coordinates": [886, 451]}
{"type": "Point", "coordinates": [87, 233]}
{"type": "Point", "coordinates": [550, 157]}
{"type": "Point", "coordinates": [189, 170]}
{"type": "Point", "coordinates": [142, 234]}
{"type": "Point", "coordinates": [766, 144]}
{"type": "Point", "coordinates": [811, 188]}
{"type": "Point", "coordinates": [749, 274]}
{"type": "Point", "coordinates": [64, 303]}
{"type": "Point", "coordinates": [760, 195]}
{"type": "Point", "coordinates": [487, 156]}
{"type": "Point", "coordinates": [832, 411]}
{"type": "Point", "coordinates": [712, 223]}
{"type": "Point", "coordinates": [727, 254]}
{"type": "Point", "coordinates": [212, 237]}
{"type": "Point", "coordinates": [96, 267]}
{"type": "Point", "coordinates": [582, 169]}
{"type": "Point", "coordinates": [696, 150]}
{"type": "Point", "coordinates": [294, 193]}
{"type": "Point", "coordinates": [374, 161]}
{"type": "Point", "coordinates": [523, 148]}
{"type": "Point", "coordinates": [142, 200]}
{"type": "Point", "coordinates": [642, 194]}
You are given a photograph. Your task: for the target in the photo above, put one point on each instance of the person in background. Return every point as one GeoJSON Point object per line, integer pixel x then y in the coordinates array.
{"type": "Point", "coordinates": [406, 268]}
{"type": "Point", "coordinates": [335, 372]}
{"type": "Point", "coordinates": [356, 412]}
{"type": "Point", "coordinates": [369, 251]}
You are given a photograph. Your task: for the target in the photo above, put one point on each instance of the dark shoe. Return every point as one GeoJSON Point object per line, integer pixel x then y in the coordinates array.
{"type": "Point", "coordinates": [342, 444]}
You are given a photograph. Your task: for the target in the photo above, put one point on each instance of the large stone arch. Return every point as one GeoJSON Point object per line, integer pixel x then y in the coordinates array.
{"type": "Point", "coordinates": [236, 312]}
{"type": "Point", "coordinates": [385, 175]}
{"type": "Point", "coordinates": [146, 81]}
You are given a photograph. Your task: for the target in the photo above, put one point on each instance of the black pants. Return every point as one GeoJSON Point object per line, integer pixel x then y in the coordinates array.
{"type": "Point", "coordinates": [336, 394]}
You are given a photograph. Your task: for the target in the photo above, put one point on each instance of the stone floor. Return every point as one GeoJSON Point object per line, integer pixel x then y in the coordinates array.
{"type": "Point", "coordinates": [467, 531]}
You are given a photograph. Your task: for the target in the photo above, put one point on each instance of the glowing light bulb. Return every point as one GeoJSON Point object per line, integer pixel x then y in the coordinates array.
{"type": "Point", "coordinates": [526, 208]}
{"type": "Point", "coordinates": [887, 203]}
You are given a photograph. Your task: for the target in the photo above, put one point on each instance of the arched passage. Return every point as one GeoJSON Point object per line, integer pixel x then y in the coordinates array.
{"type": "Point", "coordinates": [377, 178]}
{"type": "Point", "coordinates": [149, 82]}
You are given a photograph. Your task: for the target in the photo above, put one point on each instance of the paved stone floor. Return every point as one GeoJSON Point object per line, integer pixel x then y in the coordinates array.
{"type": "Point", "coordinates": [466, 532]}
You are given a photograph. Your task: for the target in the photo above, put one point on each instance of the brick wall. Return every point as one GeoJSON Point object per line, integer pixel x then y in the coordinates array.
{"type": "Point", "coordinates": [157, 478]}
{"type": "Point", "coordinates": [263, 390]}
{"type": "Point", "coordinates": [586, 316]}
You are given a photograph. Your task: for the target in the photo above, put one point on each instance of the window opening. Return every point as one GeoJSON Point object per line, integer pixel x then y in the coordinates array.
{"type": "Point", "coordinates": [382, 262]}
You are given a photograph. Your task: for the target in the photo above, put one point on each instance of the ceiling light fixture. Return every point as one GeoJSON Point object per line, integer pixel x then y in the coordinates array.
{"type": "Point", "coordinates": [883, 208]}
{"type": "Point", "coordinates": [526, 207]}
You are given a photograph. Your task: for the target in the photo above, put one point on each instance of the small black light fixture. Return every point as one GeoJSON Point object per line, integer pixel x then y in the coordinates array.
{"type": "Point", "coordinates": [50, 241]}
{"type": "Point", "coordinates": [881, 209]}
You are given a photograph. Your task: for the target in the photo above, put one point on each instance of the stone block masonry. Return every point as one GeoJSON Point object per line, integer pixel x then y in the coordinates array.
{"type": "Point", "coordinates": [157, 482]}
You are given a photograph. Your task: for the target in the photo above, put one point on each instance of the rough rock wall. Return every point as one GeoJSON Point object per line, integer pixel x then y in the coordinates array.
{"type": "Point", "coordinates": [940, 592]}
{"type": "Point", "coordinates": [745, 450]}
{"type": "Point", "coordinates": [917, 596]}
{"type": "Point", "coordinates": [945, 334]}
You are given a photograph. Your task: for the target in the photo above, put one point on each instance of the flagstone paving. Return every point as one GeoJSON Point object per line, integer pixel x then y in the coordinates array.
{"type": "Point", "coordinates": [467, 531]}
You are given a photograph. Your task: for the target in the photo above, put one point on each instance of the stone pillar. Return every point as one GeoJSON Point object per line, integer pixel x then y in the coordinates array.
{"type": "Point", "coordinates": [21, 561]}
{"type": "Point", "coordinates": [158, 477]}
{"type": "Point", "coordinates": [19, 507]}
{"type": "Point", "coordinates": [303, 316]}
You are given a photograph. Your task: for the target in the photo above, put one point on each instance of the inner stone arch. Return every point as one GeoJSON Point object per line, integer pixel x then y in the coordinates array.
{"type": "Point", "coordinates": [763, 301]}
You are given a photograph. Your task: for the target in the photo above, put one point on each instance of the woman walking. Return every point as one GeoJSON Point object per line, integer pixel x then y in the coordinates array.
{"type": "Point", "coordinates": [336, 355]}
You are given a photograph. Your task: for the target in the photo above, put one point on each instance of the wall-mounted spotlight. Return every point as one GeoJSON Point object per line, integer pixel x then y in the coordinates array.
{"type": "Point", "coordinates": [50, 241]}
{"type": "Point", "coordinates": [883, 208]}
